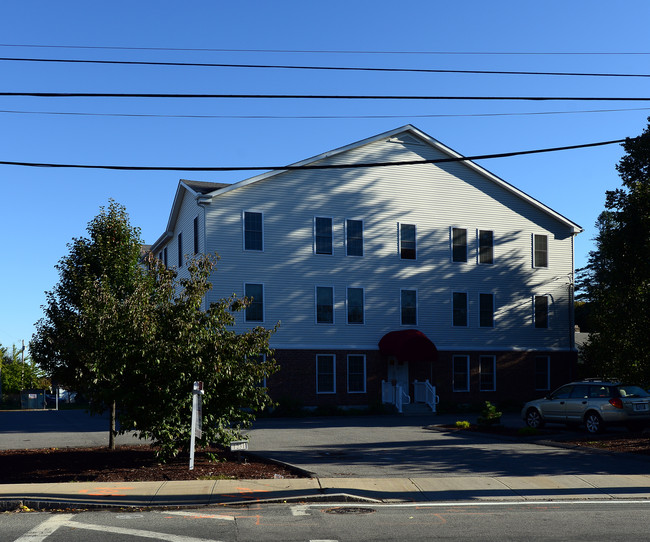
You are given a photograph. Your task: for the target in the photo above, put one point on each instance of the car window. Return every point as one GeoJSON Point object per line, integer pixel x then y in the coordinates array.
{"type": "Point", "coordinates": [632, 391]}
{"type": "Point", "coordinates": [580, 391]}
{"type": "Point", "coordinates": [562, 393]}
{"type": "Point", "coordinates": [602, 392]}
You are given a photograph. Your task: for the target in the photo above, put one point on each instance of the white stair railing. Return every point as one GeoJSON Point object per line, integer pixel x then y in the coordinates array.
{"type": "Point", "coordinates": [426, 393]}
{"type": "Point", "coordinates": [394, 395]}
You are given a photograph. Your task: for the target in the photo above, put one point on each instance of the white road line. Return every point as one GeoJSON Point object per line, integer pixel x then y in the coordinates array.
{"type": "Point", "coordinates": [137, 532]}
{"type": "Point", "coordinates": [198, 515]}
{"type": "Point", "coordinates": [464, 504]}
{"type": "Point", "coordinates": [300, 510]}
{"type": "Point", "coordinates": [45, 529]}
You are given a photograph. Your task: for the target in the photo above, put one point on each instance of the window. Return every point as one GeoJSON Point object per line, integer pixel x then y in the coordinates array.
{"type": "Point", "coordinates": [322, 235]}
{"type": "Point", "coordinates": [253, 231]}
{"type": "Point", "coordinates": [542, 373]}
{"type": "Point", "coordinates": [356, 373]}
{"type": "Point", "coordinates": [354, 237]}
{"type": "Point", "coordinates": [180, 249]}
{"type": "Point", "coordinates": [540, 251]}
{"type": "Point", "coordinates": [459, 300]}
{"type": "Point", "coordinates": [485, 247]}
{"type": "Point", "coordinates": [324, 305]}
{"type": "Point", "coordinates": [254, 311]}
{"type": "Point", "coordinates": [407, 244]}
{"type": "Point", "coordinates": [355, 306]}
{"type": "Point", "coordinates": [165, 256]}
{"type": "Point", "coordinates": [325, 374]}
{"type": "Point", "coordinates": [486, 310]}
{"type": "Point", "coordinates": [409, 307]}
{"type": "Point", "coordinates": [460, 373]}
{"type": "Point", "coordinates": [196, 235]}
{"type": "Point", "coordinates": [458, 244]}
{"type": "Point", "coordinates": [487, 373]}
{"type": "Point", "coordinates": [541, 311]}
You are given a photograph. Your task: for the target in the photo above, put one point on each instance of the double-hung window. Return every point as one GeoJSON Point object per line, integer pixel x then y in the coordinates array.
{"type": "Point", "coordinates": [196, 235]}
{"type": "Point", "coordinates": [356, 373]}
{"type": "Point", "coordinates": [541, 311]}
{"type": "Point", "coordinates": [324, 305]}
{"type": "Point", "coordinates": [487, 373]}
{"type": "Point", "coordinates": [540, 250]}
{"type": "Point", "coordinates": [460, 373]}
{"type": "Point", "coordinates": [409, 307]}
{"type": "Point", "coordinates": [354, 237]}
{"type": "Point", "coordinates": [407, 242]}
{"type": "Point", "coordinates": [253, 231]}
{"type": "Point", "coordinates": [322, 235]}
{"type": "Point", "coordinates": [542, 373]}
{"type": "Point", "coordinates": [459, 309]}
{"type": "Point", "coordinates": [485, 247]}
{"type": "Point", "coordinates": [255, 294]}
{"type": "Point", "coordinates": [486, 310]}
{"type": "Point", "coordinates": [180, 249]}
{"type": "Point", "coordinates": [458, 244]}
{"type": "Point", "coordinates": [355, 306]}
{"type": "Point", "coordinates": [325, 373]}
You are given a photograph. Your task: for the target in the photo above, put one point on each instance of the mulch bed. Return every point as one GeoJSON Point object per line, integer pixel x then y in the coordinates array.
{"type": "Point", "coordinates": [135, 463]}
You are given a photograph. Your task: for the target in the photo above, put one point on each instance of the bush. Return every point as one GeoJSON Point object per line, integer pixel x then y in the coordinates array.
{"type": "Point", "coordinates": [489, 415]}
{"type": "Point", "coordinates": [463, 424]}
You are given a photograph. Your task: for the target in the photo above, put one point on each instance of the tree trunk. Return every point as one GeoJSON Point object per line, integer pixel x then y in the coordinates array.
{"type": "Point", "coordinates": [111, 436]}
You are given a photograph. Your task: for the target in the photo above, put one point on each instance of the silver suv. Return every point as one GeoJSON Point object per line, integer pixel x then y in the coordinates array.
{"type": "Point", "coordinates": [594, 403]}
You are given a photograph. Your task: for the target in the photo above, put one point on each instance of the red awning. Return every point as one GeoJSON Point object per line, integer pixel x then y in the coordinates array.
{"type": "Point", "coordinates": [408, 345]}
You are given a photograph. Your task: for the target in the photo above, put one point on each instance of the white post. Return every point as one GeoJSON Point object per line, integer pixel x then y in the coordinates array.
{"type": "Point", "coordinates": [197, 391]}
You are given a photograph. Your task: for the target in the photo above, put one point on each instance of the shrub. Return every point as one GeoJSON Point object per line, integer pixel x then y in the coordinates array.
{"type": "Point", "coordinates": [463, 424]}
{"type": "Point", "coordinates": [489, 415]}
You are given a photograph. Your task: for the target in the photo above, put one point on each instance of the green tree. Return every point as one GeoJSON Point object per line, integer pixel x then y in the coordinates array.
{"type": "Point", "coordinates": [616, 280]}
{"type": "Point", "coordinates": [20, 374]}
{"type": "Point", "coordinates": [63, 345]}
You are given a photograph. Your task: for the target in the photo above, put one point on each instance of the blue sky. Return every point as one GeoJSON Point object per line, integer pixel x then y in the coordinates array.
{"type": "Point", "coordinates": [43, 209]}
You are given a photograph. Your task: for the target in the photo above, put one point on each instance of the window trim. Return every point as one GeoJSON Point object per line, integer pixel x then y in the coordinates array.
{"type": "Point", "coordinates": [494, 372]}
{"type": "Point", "coordinates": [453, 309]}
{"type": "Point", "coordinates": [493, 312]}
{"type": "Point", "coordinates": [548, 311]}
{"type": "Point", "coordinates": [547, 372]}
{"type": "Point", "coordinates": [263, 302]}
{"type": "Point", "coordinates": [243, 220]}
{"type": "Point", "coordinates": [315, 243]}
{"type": "Point", "coordinates": [365, 373]}
{"type": "Point", "coordinates": [333, 322]}
{"type": "Point", "coordinates": [399, 240]}
{"type": "Point", "coordinates": [453, 373]}
{"type": "Point", "coordinates": [363, 248]}
{"type": "Point", "coordinates": [453, 246]}
{"type": "Point", "coordinates": [196, 235]}
{"type": "Point", "coordinates": [363, 305]}
{"type": "Point", "coordinates": [534, 250]}
{"type": "Point", "coordinates": [179, 242]}
{"type": "Point", "coordinates": [401, 308]}
{"type": "Point", "coordinates": [333, 391]}
{"type": "Point", "coordinates": [478, 247]}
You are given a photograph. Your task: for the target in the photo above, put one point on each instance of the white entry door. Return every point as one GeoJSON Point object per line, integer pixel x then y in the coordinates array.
{"type": "Point", "coordinates": [398, 373]}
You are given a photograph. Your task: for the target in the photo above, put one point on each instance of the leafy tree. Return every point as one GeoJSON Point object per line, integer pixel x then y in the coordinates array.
{"type": "Point", "coordinates": [616, 280]}
{"type": "Point", "coordinates": [62, 345]}
{"type": "Point", "coordinates": [16, 375]}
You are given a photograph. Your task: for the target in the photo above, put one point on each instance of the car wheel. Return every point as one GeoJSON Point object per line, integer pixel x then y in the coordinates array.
{"type": "Point", "coordinates": [593, 423]}
{"type": "Point", "coordinates": [534, 418]}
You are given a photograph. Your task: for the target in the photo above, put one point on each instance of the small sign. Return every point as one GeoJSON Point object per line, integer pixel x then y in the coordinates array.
{"type": "Point", "coordinates": [238, 445]}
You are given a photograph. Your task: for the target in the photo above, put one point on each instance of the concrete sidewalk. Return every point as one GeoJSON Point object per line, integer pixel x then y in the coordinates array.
{"type": "Point", "coordinates": [378, 490]}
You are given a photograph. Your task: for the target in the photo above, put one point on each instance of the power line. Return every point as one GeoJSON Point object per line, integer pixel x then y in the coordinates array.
{"type": "Point", "coordinates": [331, 166]}
{"type": "Point", "coordinates": [312, 117]}
{"type": "Point", "coordinates": [317, 96]}
{"type": "Point", "coordinates": [321, 68]}
{"type": "Point", "coordinates": [333, 51]}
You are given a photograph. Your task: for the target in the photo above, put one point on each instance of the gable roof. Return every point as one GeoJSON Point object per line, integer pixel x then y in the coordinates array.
{"type": "Point", "coordinates": [205, 191]}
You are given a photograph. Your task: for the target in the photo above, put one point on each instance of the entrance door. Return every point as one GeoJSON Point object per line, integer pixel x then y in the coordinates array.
{"type": "Point", "coordinates": [398, 373]}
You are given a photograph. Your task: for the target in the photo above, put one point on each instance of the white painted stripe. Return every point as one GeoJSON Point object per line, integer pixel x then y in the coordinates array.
{"type": "Point", "coordinates": [137, 532]}
{"type": "Point", "coordinates": [45, 529]}
{"type": "Point", "coordinates": [475, 503]}
{"type": "Point", "coordinates": [299, 510]}
{"type": "Point", "coordinates": [198, 515]}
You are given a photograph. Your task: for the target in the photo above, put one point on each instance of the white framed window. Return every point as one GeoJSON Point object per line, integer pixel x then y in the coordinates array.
{"type": "Point", "coordinates": [356, 373]}
{"type": "Point", "coordinates": [485, 240]}
{"type": "Point", "coordinates": [459, 309]}
{"type": "Point", "coordinates": [459, 245]}
{"type": "Point", "coordinates": [409, 307]}
{"type": "Point", "coordinates": [322, 235]}
{"type": "Point", "coordinates": [354, 237]}
{"type": "Point", "coordinates": [325, 373]}
{"type": "Point", "coordinates": [165, 256]}
{"type": "Point", "coordinates": [324, 304]}
{"type": "Point", "coordinates": [541, 311]}
{"type": "Point", "coordinates": [355, 306]}
{"type": "Point", "coordinates": [180, 249]}
{"type": "Point", "coordinates": [542, 373]}
{"type": "Point", "coordinates": [255, 311]}
{"type": "Point", "coordinates": [253, 228]}
{"type": "Point", "coordinates": [486, 310]}
{"type": "Point", "coordinates": [196, 235]}
{"type": "Point", "coordinates": [540, 250]}
{"type": "Point", "coordinates": [407, 240]}
{"type": "Point", "coordinates": [460, 373]}
{"type": "Point", "coordinates": [487, 373]}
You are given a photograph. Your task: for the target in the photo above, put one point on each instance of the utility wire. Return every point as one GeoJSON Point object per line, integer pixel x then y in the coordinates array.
{"type": "Point", "coordinates": [318, 96]}
{"type": "Point", "coordinates": [330, 166]}
{"type": "Point", "coordinates": [321, 68]}
{"type": "Point", "coordinates": [272, 117]}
